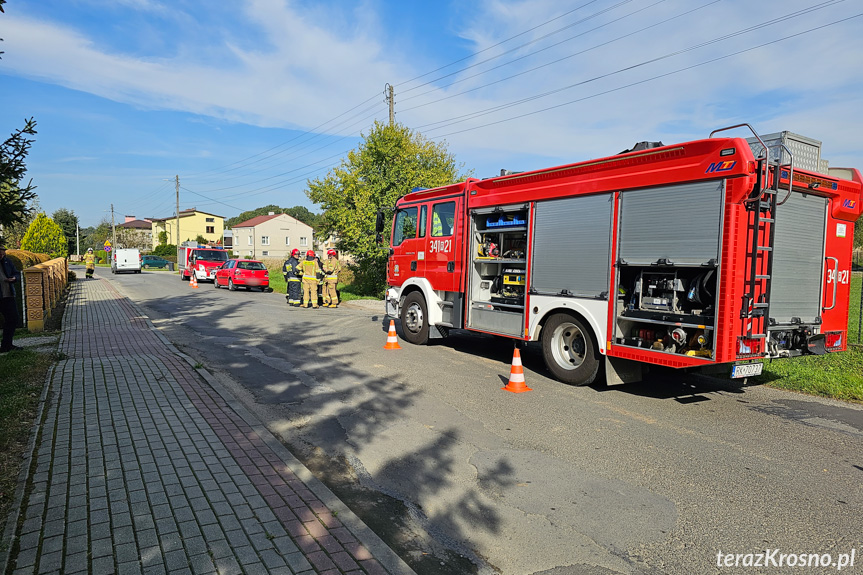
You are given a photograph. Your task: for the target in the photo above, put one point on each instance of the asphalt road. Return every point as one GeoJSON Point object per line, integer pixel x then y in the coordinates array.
{"type": "Point", "coordinates": [460, 476]}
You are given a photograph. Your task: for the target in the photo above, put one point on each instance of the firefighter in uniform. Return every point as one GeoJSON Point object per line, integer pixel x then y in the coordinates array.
{"type": "Point", "coordinates": [89, 263]}
{"type": "Point", "coordinates": [310, 268]}
{"type": "Point", "coordinates": [292, 273]}
{"type": "Point", "coordinates": [331, 279]}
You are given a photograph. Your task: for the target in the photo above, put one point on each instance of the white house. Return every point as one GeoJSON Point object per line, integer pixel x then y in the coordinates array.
{"type": "Point", "coordinates": [271, 236]}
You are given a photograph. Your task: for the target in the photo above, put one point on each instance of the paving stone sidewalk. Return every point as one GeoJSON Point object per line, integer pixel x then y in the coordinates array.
{"type": "Point", "coordinates": [143, 464]}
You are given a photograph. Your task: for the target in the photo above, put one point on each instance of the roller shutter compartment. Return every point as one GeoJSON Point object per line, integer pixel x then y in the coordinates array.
{"type": "Point", "coordinates": [572, 243]}
{"type": "Point", "coordinates": [798, 259]}
{"type": "Point", "coordinates": [679, 224]}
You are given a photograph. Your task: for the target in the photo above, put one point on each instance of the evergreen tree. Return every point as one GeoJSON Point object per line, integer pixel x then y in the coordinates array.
{"type": "Point", "coordinates": [44, 236]}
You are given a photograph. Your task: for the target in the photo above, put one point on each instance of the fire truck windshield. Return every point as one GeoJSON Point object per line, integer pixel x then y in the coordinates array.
{"type": "Point", "coordinates": [211, 255]}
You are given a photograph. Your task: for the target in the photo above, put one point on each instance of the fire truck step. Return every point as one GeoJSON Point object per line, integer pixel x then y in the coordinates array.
{"type": "Point", "coordinates": [761, 305]}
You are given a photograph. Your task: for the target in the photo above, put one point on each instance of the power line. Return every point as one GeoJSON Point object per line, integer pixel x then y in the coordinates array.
{"type": "Point", "coordinates": [534, 41]}
{"type": "Point", "coordinates": [492, 47]}
{"type": "Point", "coordinates": [619, 88]}
{"type": "Point", "coordinates": [479, 113]}
{"type": "Point", "coordinates": [291, 140]}
{"type": "Point", "coordinates": [557, 61]}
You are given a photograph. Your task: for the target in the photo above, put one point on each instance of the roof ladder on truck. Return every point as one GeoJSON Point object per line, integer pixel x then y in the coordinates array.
{"type": "Point", "coordinates": [761, 208]}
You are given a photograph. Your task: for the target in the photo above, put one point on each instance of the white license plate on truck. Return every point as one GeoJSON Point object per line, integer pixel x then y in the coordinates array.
{"type": "Point", "coordinates": [746, 370]}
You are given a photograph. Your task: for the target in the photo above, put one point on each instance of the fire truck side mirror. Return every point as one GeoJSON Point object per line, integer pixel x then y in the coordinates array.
{"type": "Point", "coordinates": [379, 226]}
{"type": "Point", "coordinates": [379, 222]}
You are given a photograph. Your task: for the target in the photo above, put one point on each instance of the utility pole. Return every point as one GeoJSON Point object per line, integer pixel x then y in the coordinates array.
{"type": "Point", "coordinates": [77, 239]}
{"type": "Point", "coordinates": [177, 179]}
{"type": "Point", "coordinates": [392, 102]}
{"type": "Point", "coordinates": [113, 230]}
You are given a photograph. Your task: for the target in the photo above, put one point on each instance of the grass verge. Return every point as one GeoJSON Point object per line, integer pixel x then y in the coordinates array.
{"type": "Point", "coordinates": [836, 375]}
{"type": "Point", "coordinates": [22, 376]}
{"type": "Point", "coordinates": [347, 292]}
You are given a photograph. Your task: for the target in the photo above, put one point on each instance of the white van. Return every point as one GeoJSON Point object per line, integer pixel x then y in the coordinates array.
{"type": "Point", "coordinates": [126, 260]}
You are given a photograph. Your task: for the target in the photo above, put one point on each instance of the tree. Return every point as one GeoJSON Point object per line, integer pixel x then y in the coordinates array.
{"type": "Point", "coordinates": [248, 215]}
{"type": "Point", "coordinates": [95, 237]}
{"type": "Point", "coordinates": [163, 238]}
{"type": "Point", "coordinates": [68, 222]}
{"type": "Point", "coordinates": [302, 213]}
{"type": "Point", "coordinates": [13, 196]}
{"type": "Point", "coordinates": [389, 162]}
{"type": "Point", "coordinates": [44, 236]}
{"type": "Point", "coordinates": [14, 233]}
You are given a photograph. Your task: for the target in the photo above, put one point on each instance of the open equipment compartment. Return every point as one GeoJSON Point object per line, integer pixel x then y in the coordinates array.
{"type": "Point", "coordinates": [667, 268]}
{"type": "Point", "coordinates": [498, 269]}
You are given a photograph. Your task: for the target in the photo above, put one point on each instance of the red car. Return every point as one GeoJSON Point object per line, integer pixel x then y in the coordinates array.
{"type": "Point", "coordinates": [247, 273]}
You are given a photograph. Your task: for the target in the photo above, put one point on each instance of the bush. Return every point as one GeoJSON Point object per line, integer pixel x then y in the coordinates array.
{"type": "Point", "coordinates": [22, 259]}
{"type": "Point", "coordinates": [369, 279]}
{"type": "Point", "coordinates": [166, 251]}
{"type": "Point", "coordinates": [72, 276]}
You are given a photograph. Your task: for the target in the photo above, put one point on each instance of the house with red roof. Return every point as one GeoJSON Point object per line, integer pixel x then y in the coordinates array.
{"type": "Point", "coordinates": [271, 236]}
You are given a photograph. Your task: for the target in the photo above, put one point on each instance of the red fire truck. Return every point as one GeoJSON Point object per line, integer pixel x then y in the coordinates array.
{"type": "Point", "coordinates": [203, 261]}
{"type": "Point", "coordinates": [704, 254]}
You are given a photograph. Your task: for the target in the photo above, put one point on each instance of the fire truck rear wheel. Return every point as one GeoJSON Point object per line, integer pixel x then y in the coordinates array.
{"type": "Point", "coordinates": [569, 351]}
{"type": "Point", "coordinates": [414, 318]}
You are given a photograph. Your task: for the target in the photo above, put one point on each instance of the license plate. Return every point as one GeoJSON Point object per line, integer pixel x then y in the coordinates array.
{"type": "Point", "coordinates": [746, 370]}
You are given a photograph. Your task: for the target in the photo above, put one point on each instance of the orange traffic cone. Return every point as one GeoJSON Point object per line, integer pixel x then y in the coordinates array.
{"type": "Point", "coordinates": [516, 375]}
{"type": "Point", "coordinates": [193, 281]}
{"type": "Point", "coordinates": [392, 338]}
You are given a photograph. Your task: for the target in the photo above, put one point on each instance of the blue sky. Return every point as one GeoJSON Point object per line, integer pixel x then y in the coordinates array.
{"type": "Point", "coordinates": [247, 100]}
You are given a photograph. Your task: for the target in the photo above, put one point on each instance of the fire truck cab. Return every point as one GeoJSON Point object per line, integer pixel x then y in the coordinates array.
{"type": "Point", "coordinates": [693, 255]}
{"type": "Point", "coordinates": [203, 261]}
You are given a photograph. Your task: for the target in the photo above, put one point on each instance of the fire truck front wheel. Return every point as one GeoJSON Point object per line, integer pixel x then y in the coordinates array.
{"type": "Point", "coordinates": [568, 350]}
{"type": "Point", "coordinates": [414, 318]}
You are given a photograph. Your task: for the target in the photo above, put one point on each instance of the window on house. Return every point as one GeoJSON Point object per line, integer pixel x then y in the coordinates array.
{"type": "Point", "coordinates": [304, 242]}
{"type": "Point", "coordinates": [211, 220]}
{"type": "Point", "coordinates": [211, 229]}
{"type": "Point", "coordinates": [250, 240]}
{"type": "Point", "coordinates": [287, 241]}
{"type": "Point", "coordinates": [265, 253]}
{"type": "Point", "coordinates": [265, 240]}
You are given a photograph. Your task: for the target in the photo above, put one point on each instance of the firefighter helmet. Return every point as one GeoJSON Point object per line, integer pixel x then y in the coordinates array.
{"type": "Point", "coordinates": [89, 250]}
{"type": "Point", "coordinates": [295, 252]}
{"type": "Point", "coordinates": [331, 252]}
{"type": "Point", "coordinates": [310, 254]}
